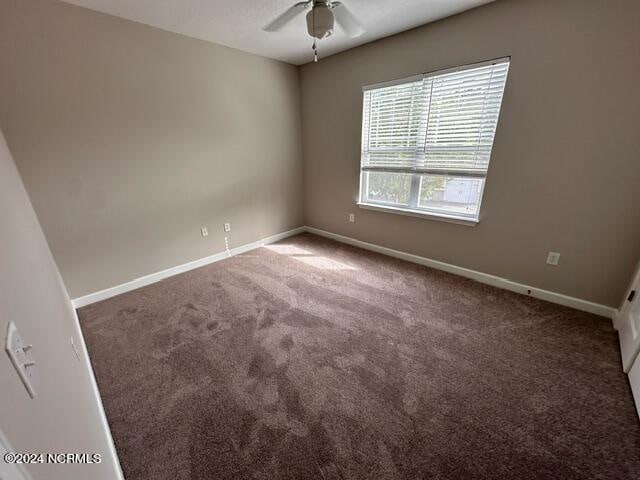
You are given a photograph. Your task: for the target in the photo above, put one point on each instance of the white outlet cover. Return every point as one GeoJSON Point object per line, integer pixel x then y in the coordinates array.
{"type": "Point", "coordinates": [553, 258]}
{"type": "Point", "coordinates": [227, 227]}
{"type": "Point", "coordinates": [21, 356]}
{"type": "Point", "coordinates": [352, 218]}
{"type": "Point", "coordinates": [204, 231]}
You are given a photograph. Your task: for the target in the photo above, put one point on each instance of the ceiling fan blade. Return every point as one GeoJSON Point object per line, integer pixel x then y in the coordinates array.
{"type": "Point", "coordinates": [346, 20]}
{"type": "Point", "coordinates": [286, 17]}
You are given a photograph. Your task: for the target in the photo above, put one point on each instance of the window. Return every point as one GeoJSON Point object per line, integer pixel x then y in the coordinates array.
{"type": "Point", "coordinates": [427, 140]}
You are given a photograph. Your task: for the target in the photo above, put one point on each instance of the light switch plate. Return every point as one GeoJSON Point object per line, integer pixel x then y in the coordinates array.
{"type": "Point", "coordinates": [21, 356]}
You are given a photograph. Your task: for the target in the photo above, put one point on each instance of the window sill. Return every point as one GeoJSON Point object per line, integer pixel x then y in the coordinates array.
{"type": "Point", "coordinates": [441, 217]}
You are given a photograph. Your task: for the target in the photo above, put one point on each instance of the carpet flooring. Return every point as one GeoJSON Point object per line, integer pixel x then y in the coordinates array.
{"type": "Point", "coordinates": [309, 359]}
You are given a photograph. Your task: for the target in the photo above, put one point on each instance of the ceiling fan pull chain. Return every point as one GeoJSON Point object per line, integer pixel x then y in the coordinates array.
{"type": "Point", "coordinates": [313, 20]}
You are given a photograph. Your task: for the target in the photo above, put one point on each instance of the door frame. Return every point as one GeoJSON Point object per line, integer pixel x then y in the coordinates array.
{"type": "Point", "coordinates": [631, 300]}
{"type": "Point", "coordinates": [626, 304]}
{"type": "Point", "coordinates": [15, 471]}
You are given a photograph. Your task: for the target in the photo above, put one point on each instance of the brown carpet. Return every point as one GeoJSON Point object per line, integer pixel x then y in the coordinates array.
{"type": "Point", "coordinates": [310, 359]}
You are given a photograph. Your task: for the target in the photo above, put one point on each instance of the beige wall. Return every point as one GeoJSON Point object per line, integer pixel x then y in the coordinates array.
{"type": "Point", "coordinates": [64, 415]}
{"type": "Point", "coordinates": [565, 170]}
{"type": "Point", "coordinates": [130, 139]}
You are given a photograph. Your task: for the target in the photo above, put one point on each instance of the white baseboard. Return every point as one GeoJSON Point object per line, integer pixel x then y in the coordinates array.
{"type": "Point", "coordinates": [500, 282]}
{"type": "Point", "coordinates": [169, 272]}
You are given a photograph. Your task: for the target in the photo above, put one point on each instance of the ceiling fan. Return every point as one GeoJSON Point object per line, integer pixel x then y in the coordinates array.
{"type": "Point", "coordinates": [320, 20]}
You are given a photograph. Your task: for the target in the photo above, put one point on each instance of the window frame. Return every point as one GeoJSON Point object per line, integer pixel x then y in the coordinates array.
{"type": "Point", "coordinates": [412, 208]}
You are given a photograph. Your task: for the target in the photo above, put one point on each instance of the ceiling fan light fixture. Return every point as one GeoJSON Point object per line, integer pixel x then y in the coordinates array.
{"type": "Point", "coordinates": [320, 21]}
{"type": "Point", "coordinates": [321, 17]}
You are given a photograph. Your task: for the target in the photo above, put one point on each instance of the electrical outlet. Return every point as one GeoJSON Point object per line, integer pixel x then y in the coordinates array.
{"type": "Point", "coordinates": [352, 218]}
{"type": "Point", "coordinates": [227, 227]}
{"type": "Point", "coordinates": [553, 258]}
{"type": "Point", "coordinates": [204, 231]}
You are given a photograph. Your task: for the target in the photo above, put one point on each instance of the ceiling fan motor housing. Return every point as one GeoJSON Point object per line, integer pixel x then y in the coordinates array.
{"type": "Point", "coordinates": [320, 20]}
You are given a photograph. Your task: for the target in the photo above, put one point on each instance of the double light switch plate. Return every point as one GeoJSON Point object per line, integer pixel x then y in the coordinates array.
{"type": "Point", "coordinates": [21, 356]}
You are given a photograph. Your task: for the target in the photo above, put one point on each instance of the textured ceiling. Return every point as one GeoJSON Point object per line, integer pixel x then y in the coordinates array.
{"type": "Point", "coordinates": [239, 23]}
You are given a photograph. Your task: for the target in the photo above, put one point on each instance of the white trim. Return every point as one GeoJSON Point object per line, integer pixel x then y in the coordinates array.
{"type": "Point", "coordinates": [486, 278]}
{"type": "Point", "coordinates": [96, 392]}
{"type": "Point", "coordinates": [493, 280]}
{"type": "Point", "coordinates": [6, 447]}
{"type": "Point", "coordinates": [185, 267]}
{"type": "Point", "coordinates": [617, 323]}
{"type": "Point", "coordinates": [442, 217]}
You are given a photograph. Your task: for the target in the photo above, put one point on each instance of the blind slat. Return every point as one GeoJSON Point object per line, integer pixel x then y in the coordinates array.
{"type": "Point", "coordinates": [444, 122]}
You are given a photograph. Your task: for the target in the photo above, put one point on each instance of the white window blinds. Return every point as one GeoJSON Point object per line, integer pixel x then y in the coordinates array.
{"type": "Point", "coordinates": [437, 123]}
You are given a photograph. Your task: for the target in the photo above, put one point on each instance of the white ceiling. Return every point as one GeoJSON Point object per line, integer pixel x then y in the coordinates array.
{"type": "Point", "coordinates": [239, 23]}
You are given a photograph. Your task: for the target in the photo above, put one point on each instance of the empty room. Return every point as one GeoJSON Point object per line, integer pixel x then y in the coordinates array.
{"type": "Point", "coordinates": [332, 240]}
